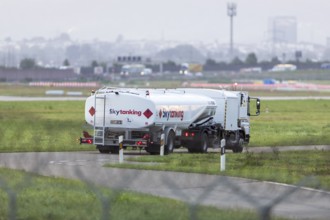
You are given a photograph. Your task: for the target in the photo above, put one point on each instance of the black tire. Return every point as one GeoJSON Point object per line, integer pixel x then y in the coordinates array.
{"type": "Point", "coordinates": [114, 150]}
{"type": "Point", "coordinates": [153, 153]}
{"type": "Point", "coordinates": [191, 150]}
{"type": "Point", "coordinates": [102, 151]}
{"type": "Point", "coordinates": [188, 145]}
{"type": "Point", "coordinates": [204, 143]}
{"type": "Point", "coordinates": [169, 146]}
{"type": "Point", "coordinates": [238, 148]}
{"type": "Point", "coordinates": [153, 149]}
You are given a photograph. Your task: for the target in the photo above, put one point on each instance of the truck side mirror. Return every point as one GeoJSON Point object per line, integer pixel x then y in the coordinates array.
{"type": "Point", "coordinates": [258, 102]}
{"type": "Point", "coordinates": [258, 106]}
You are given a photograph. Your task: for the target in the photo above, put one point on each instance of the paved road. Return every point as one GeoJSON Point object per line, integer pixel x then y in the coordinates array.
{"type": "Point", "coordinates": [224, 192]}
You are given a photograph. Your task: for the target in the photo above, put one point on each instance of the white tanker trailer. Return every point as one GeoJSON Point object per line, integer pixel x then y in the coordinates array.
{"type": "Point", "coordinates": [193, 118]}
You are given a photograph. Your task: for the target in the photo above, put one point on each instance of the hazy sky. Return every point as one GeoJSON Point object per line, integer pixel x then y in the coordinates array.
{"type": "Point", "coordinates": [184, 20]}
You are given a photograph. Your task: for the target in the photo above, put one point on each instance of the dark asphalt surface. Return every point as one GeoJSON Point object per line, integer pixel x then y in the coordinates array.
{"type": "Point", "coordinates": [219, 191]}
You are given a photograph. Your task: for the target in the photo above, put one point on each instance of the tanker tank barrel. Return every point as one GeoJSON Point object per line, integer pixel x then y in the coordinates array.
{"type": "Point", "coordinates": [195, 125]}
{"type": "Point", "coordinates": [133, 109]}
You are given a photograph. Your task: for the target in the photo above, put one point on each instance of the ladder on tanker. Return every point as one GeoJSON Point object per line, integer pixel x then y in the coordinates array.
{"type": "Point", "coordinates": [99, 119]}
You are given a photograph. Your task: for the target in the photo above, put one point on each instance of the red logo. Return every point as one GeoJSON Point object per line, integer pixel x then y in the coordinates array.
{"type": "Point", "coordinates": [147, 113]}
{"type": "Point", "coordinates": [92, 111]}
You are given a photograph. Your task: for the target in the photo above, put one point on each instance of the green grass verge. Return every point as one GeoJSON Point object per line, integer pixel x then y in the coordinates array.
{"type": "Point", "coordinates": [302, 122]}
{"type": "Point", "coordinates": [283, 167]}
{"type": "Point", "coordinates": [28, 196]}
{"type": "Point", "coordinates": [56, 125]}
{"type": "Point", "coordinates": [41, 126]}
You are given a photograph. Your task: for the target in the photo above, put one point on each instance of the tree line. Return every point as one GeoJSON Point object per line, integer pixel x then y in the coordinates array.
{"type": "Point", "coordinates": [210, 64]}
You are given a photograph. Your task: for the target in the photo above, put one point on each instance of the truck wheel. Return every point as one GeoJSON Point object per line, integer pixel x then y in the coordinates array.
{"type": "Point", "coordinates": [192, 150]}
{"type": "Point", "coordinates": [204, 143]}
{"type": "Point", "coordinates": [238, 148]}
{"type": "Point", "coordinates": [169, 146]}
{"type": "Point", "coordinates": [114, 150]}
{"type": "Point", "coordinates": [104, 151]}
{"type": "Point", "coordinates": [189, 145]}
{"type": "Point", "coordinates": [153, 149]}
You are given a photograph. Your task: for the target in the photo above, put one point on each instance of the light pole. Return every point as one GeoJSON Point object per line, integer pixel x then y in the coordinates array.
{"type": "Point", "coordinates": [231, 12]}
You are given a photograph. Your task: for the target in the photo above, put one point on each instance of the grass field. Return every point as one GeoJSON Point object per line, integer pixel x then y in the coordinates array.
{"type": "Point", "coordinates": [292, 123]}
{"type": "Point", "coordinates": [35, 197]}
{"type": "Point", "coordinates": [41, 126]}
{"type": "Point", "coordinates": [55, 126]}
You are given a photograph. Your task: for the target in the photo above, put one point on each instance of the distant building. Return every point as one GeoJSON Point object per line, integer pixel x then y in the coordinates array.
{"type": "Point", "coordinates": [283, 30]}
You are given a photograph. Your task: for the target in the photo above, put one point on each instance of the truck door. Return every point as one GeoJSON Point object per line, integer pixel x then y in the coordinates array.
{"type": "Point", "coordinates": [232, 112]}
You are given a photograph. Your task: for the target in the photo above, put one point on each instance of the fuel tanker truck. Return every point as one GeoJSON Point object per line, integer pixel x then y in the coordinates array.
{"type": "Point", "coordinates": [196, 119]}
